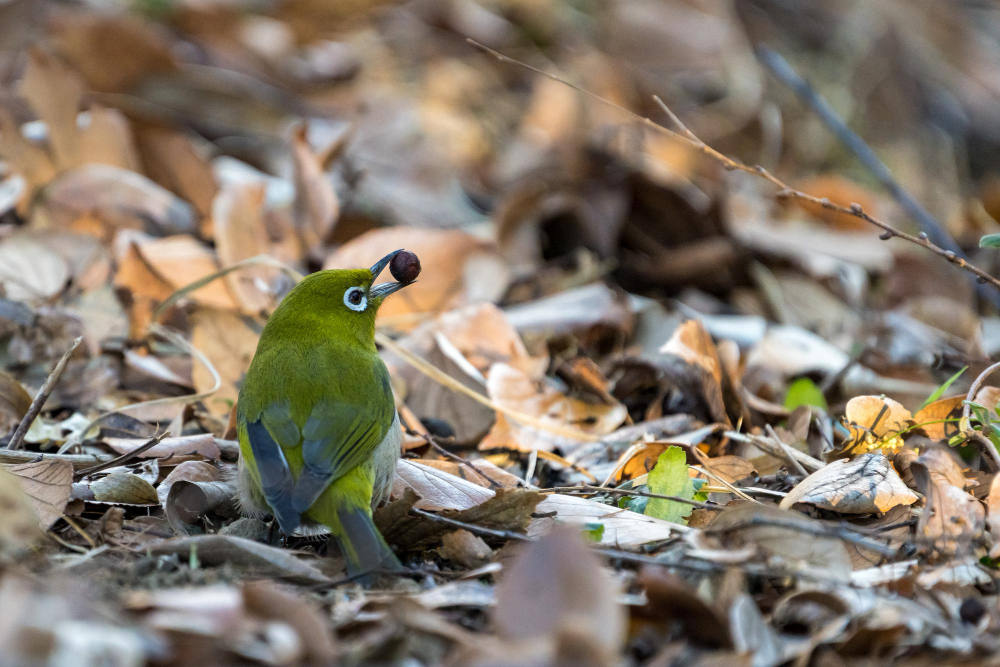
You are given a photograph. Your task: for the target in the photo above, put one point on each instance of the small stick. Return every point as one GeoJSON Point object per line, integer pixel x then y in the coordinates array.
{"type": "Point", "coordinates": [932, 229]}
{"type": "Point", "coordinates": [784, 190]}
{"type": "Point", "coordinates": [596, 490]}
{"type": "Point", "coordinates": [432, 441]}
{"type": "Point", "coordinates": [120, 460]}
{"type": "Point", "coordinates": [973, 390]}
{"type": "Point", "coordinates": [43, 394]}
{"type": "Point", "coordinates": [786, 449]}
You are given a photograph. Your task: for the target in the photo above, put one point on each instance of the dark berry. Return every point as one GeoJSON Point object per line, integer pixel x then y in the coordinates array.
{"type": "Point", "coordinates": [405, 266]}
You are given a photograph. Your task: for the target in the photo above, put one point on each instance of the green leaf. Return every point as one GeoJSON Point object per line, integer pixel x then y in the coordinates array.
{"type": "Point", "coordinates": [669, 477]}
{"type": "Point", "coordinates": [594, 530]}
{"type": "Point", "coordinates": [939, 392]}
{"type": "Point", "coordinates": [990, 241]}
{"type": "Point", "coordinates": [804, 392]}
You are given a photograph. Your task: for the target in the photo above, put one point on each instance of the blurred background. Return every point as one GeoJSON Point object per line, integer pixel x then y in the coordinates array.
{"type": "Point", "coordinates": [146, 145]}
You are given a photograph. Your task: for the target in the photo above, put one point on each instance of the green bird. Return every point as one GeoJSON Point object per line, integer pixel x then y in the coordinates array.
{"type": "Point", "coordinates": [318, 429]}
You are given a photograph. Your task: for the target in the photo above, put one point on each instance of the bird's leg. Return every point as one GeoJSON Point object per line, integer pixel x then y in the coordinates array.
{"type": "Point", "coordinates": [274, 535]}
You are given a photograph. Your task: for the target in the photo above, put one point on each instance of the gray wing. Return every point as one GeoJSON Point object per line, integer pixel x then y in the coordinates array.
{"type": "Point", "coordinates": [275, 477]}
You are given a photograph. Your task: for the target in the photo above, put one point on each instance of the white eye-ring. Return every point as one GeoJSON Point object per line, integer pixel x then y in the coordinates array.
{"type": "Point", "coordinates": [355, 299]}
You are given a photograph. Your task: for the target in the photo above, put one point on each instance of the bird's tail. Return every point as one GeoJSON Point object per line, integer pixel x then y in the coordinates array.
{"type": "Point", "coordinates": [364, 548]}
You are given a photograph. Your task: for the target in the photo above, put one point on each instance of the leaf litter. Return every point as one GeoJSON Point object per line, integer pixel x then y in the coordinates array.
{"type": "Point", "coordinates": [653, 413]}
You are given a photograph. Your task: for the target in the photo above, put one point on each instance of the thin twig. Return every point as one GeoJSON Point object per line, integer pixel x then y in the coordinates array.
{"type": "Point", "coordinates": [838, 532]}
{"type": "Point", "coordinates": [120, 460]}
{"type": "Point", "coordinates": [43, 394]}
{"type": "Point", "coordinates": [689, 564]}
{"type": "Point", "coordinates": [973, 390]}
{"type": "Point", "coordinates": [432, 441]}
{"type": "Point", "coordinates": [934, 235]}
{"type": "Point", "coordinates": [784, 190]}
{"type": "Point", "coordinates": [808, 462]}
{"type": "Point", "coordinates": [597, 490]}
{"type": "Point", "coordinates": [786, 450]}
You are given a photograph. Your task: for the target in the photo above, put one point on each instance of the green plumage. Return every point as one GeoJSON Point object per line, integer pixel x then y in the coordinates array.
{"type": "Point", "coordinates": [314, 410]}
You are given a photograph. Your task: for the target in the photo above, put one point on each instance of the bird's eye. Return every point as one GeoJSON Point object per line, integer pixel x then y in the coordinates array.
{"type": "Point", "coordinates": [355, 299]}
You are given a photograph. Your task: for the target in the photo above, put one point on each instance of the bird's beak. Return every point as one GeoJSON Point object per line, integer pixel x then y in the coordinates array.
{"type": "Point", "coordinates": [385, 289]}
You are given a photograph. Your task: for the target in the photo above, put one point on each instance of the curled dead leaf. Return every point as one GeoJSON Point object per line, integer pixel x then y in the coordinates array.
{"type": "Point", "coordinates": [867, 484]}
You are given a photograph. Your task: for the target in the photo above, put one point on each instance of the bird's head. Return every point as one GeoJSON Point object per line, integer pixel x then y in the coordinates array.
{"type": "Point", "coordinates": [344, 302]}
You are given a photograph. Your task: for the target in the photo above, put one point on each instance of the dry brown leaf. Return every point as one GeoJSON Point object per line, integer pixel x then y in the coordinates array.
{"type": "Point", "coordinates": [229, 344]}
{"type": "Point", "coordinates": [55, 93]}
{"type": "Point", "coordinates": [19, 529]}
{"type": "Point", "coordinates": [952, 519]}
{"type": "Point", "coordinates": [466, 549]}
{"type": "Point", "coordinates": [778, 532]}
{"type": "Point", "coordinates": [693, 344]}
{"type": "Point", "coordinates": [238, 216]}
{"type": "Point", "coordinates": [180, 260]}
{"type": "Point", "coordinates": [189, 471]}
{"type": "Point", "coordinates": [458, 268]}
{"type": "Point", "coordinates": [173, 160]}
{"type": "Point", "coordinates": [47, 485]}
{"type": "Point", "coordinates": [106, 138]}
{"type": "Point", "coordinates": [556, 591]}
{"type": "Point", "coordinates": [26, 158]}
{"type": "Point", "coordinates": [993, 515]}
{"type": "Point", "coordinates": [117, 198]}
{"type": "Point", "coordinates": [267, 600]}
{"type": "Point", "coordinates": [938, 411]}
{"type": "Point", "coordinates": [124, 488]}
{"type": "Point", "coordinates": [145, 287]}
{"type": "Point", "coordinates": [872, 417]}
{"type": "Point", "coordinates": [30, 270]}
{"type": "Point", "coordinates": [243, 555]}
{"type": "Point", "coordinates": [188, 501]}
{"type": "Point", "coordinates": [437, 490]}
{"type": "Point", "coordinates": [475, 472]}
{"type": "Point", "coordinates": [316, 205]}
{"type": "Point", "coordinates": [511, 388]}
{"type": "Point", "coordinates": [202, 444]}
{"type": "Point", "coordinates": [484, 336]}
{"type": "Point", "coordinates": [865, 485]}
{"type": "Point", "coordinates": [14, 402]}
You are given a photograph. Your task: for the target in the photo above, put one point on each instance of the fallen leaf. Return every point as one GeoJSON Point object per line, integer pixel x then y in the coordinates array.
{"type": "Point", "coordinates": [931, 418]}
{"type": "Point", "coordinates": [244, 555]}
{"type": "Point", "coordinates": [55, 93]}
{"type": "Point", "coordinates": [267, 600]}
{"type": "Point", "coordinates": [862, 486]}
{"type": "Point", "coordinates": [181, 260]}
{"type": "Point", "coordinates": [788, 535]}
{"type": "Point", "coordinates": [238, 216]}
{"type": "Point", "coordinates": [188, 501]}
{"type": "Point", "coordinates": [189, 471]}
{"type": "Point", "coordinates": [437, 490]}
{"type": "Point", "coordinates": [47, 485]}
{"type": "Point", "coordinates": [31, 271]}
{"type": "Point", "coordinates": [173, 160]}
{"type": "Point", "coordinates": [14, 402]}
{"type": "Point", "coordinates": [105, 137]}
{"type": "Point", "coordinates": [511, 388]}
{"type": "Point", "coordinates": [622, 529]}
{"type": "Point", "coordinates": [316, 205]}
{"type": "Point", "coordinates": [464, 548]}
{"type": "Point", "coordinates": [466, 269]}
{"type": "Point", "coordinates": [118, 198]}
{"type": "Point", "coordinates": [22, 525]}
{"type": "Point", "coordinates": [871, 418]}
{"type": "Point", "coordinates": [202, 444]}
{"type": "Point", "coordinates": [993, 515]}
{"type": "Point", "coordinates": [125, 489]}
{"type": "Point", "coordinates": [692, 344]}
{"type": "Point", "coordinates": [229, 344]}
{"type": "Point", "coordinates": [669, 477]}
{"type": "Point", "coordinates": [556, 591]}
{"type": "Point", "coordinates": [952, 518]}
